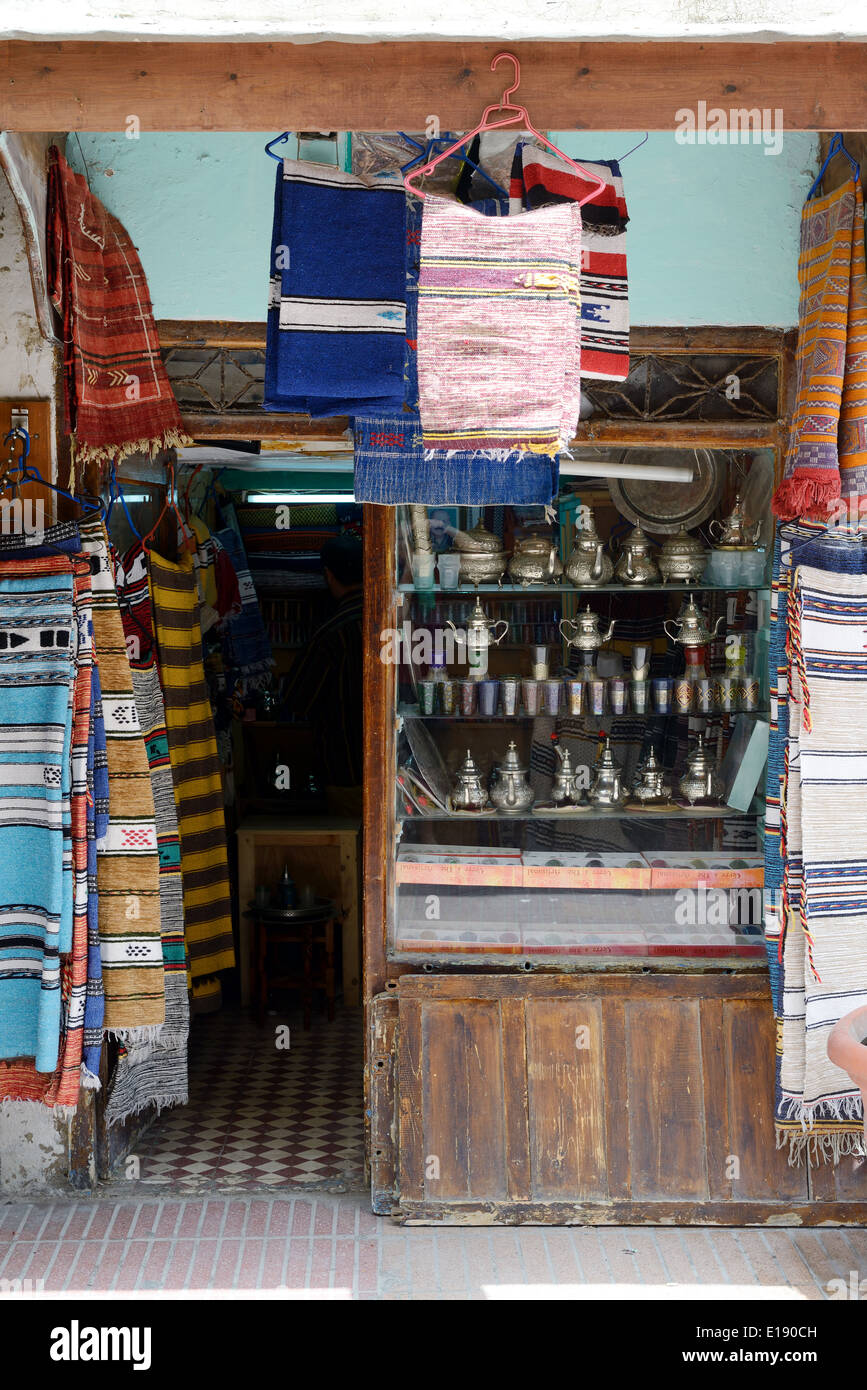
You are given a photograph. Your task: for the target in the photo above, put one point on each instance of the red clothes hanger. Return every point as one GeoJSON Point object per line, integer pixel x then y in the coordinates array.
{"type": "Point", "coordinates": [170, 505]}
{"type": "Point", "coordinates": [520, 114]}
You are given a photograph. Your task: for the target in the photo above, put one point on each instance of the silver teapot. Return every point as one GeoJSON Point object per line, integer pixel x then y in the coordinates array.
{"type": "Point", "coordinates": [483, 559]}
{"type": "Point", "coordinates": [650, 785]}
{"type": "Point", "coordinates": [479, 635]}
{"type": "Point", "coordinates": [683, 557]}
{"type": "Point", "coordinates": [588, 565]}
{"type": "Point", "coordinates": [693, 631]}
{"type": "Point", "coordinates": [565, 790]}
{"type": "Point", "coordinates": [535, 561]}
{"type": "Point", "coordinates": [607, 788]}
{"type": "Point", "coordinates": [635, 564]}
{"type": "Point", "coordinates": [701, 782]}
{"type": "Point", "coordinates": [735, 532]}
{"type": "Point", "coordinates": [586, 637]}
{"type": "Point", "coordinates": [469, 793]}
{"type": "Point", "coordinates": [511, 792]}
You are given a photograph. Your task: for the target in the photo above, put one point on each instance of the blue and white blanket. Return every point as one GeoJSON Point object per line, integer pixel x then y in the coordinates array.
{"type": "Point", "coordinates": [336, 309]}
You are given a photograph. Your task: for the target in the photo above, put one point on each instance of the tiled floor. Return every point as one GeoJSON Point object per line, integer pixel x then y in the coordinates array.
{"type": "Point", "coordinates": [334, 1247]}
{"type": "Point", "coordinates": [270, 1108]}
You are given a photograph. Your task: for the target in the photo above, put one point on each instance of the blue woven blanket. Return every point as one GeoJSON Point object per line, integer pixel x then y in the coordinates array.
{"type": "Point", "coordinates": [36, 675]}
{"type": "Point", "coordinates": [97, 829]}
{"type": "Point", "coordinates": [246, 649]}
{"type": "Point", "coordinates": [336, 310]}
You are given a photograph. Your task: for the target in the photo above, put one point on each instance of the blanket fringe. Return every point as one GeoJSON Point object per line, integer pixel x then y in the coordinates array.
{"type": "Point", "coordinates": [820, 1148]}
{"type": "Point", "coordinates": [147, 1036]}
{"type": "Point", "coordinates": [157, 1102]}
{"type": "Point", "coordinates": [806, 493]}
{"type": "Point", "coordinates": [116, 453]}
{"type": "Point", "coordinates": [89, 1079]}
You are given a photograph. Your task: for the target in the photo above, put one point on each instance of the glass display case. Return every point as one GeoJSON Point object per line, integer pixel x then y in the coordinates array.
{"type": "Point", "coordinates": [582, 711]}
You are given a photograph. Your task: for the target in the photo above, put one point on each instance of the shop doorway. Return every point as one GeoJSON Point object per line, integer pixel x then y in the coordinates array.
{"type": "Point", "coordinates": [276, 1052]}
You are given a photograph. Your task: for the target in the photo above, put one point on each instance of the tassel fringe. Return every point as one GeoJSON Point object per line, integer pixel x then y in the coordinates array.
{"type": "Point", "coordinates": [116, 453]}
{"type": "Point", "coordinates": [806, 494]}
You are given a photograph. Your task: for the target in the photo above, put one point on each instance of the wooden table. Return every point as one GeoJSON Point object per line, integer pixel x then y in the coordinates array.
{"type": "Point", "coordinates": [320, 850]}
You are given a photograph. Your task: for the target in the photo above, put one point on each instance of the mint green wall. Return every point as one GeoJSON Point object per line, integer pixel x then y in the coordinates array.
{"type": "Point", "coordinates": [713, 236]}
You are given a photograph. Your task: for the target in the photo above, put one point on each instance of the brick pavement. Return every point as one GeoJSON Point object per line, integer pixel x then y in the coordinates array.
{"type": "Point", "coordinates": [335, 1247]}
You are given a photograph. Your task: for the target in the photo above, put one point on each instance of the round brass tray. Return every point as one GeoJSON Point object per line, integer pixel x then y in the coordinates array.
{"type": "Point", "coordinates": [665, 508]}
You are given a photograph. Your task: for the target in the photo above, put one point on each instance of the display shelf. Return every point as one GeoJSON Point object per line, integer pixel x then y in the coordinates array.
{"type": "Point", "coordinates": [589, 814]}
{"type": "Point", "coordinates": [540, 590]}
{"type": "Point", "coordinates": [413, 712]}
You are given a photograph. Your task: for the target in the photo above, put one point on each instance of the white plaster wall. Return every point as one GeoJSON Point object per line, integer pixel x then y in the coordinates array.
{"type": "Point", "coordinates": [33, 1149]}
{"type": "Point", "coordinates": [26, 358]}
{"type": "Point", "coordinates": [373, 20]}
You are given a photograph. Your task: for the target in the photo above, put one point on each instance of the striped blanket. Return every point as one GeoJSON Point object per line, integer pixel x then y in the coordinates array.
{"type": "Point", "coordinates": [37, 668]}
{"type": "Point", "coordinates": [498, 328]}
{"type": "Point", "coordinates": [246, 649]}
{"type": "Point", "coordinates": [155, 1073]}
{"type": "Point", "coordinates": [391, 464]}
{"type": "Point", "coordinates": [118, 397]}
{"type": "Point", "coordinates": [97, 828]}
{"type": "Point", "coordinates": [336, 310]}
{"type": "Point", "coordinates": [827, 451]}
{"type": "Point", "coordinates": [825, 885]}
{"type": "Point", "coordinates": [540, 178]}
{"type": "Point", "coordinates": [127, 859]}
{"type": "Point", "coordinates": [830, 1133]}
{"type": "Point", "coordinates": [196, 774]}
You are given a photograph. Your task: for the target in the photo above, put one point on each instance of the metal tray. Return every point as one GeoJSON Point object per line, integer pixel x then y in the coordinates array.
{"type": "Point", "coordinates": [665, 508]}
{"type": "Point", "coordinates": [322, 907]}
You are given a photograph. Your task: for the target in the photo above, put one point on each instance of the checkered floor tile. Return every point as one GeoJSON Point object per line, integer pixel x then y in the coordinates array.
{"type": "Point", "coordinates": [262, 1115]}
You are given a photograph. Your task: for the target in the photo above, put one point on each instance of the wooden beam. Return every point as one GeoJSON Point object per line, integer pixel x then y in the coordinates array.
{"type": "Point", "coordinates": [386, 86]}
{"type": "Point", "coordinates": [713, 338]}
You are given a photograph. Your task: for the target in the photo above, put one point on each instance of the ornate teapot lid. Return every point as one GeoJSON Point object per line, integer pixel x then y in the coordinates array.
{"type": "Point", "coordinates": [564, 766]}
{"type": "Point", "coordinates": [534, 544]}
{"type": "Point", "coordinates": [587, 620]}
{"type": "Point", "coordinates": [605, 762]}
{"type": "Point", "coordinates": [637, 540]}
{"type": "Point", "coordinates": [682, 543]}
{"type": "Point", "coordinates": [479, 538]}
{"type": "Point", "coordinates": [468, 770]}
{"type": "Point", "coordinates": [479, 620]}
{"type": "Point", "coordinates": [701, 757]}
{"type": "Point", "coordinates": [586, 536]}
{"type": "Point", "coordinates": [511, 762]}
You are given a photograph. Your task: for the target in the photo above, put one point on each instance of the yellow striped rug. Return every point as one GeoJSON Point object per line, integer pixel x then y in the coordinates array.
{"type": "Point", "coordinates": [195, 771]}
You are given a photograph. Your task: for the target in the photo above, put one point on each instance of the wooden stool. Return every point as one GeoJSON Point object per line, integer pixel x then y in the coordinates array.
{"type": "Point", "coordinates": [305, 926]}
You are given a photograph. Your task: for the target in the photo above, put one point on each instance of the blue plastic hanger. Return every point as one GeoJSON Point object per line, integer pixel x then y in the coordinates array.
{"type": "Point", "coordinates": [426, 152]}
{"type": "Point", "coordinates": [29, 473]}
{"type": "Point", "coordinates": [115, 494]}
{"type": "Point", "coordinates": [836, 147]}
{"type": "Point", "coordinates": [281, 139]}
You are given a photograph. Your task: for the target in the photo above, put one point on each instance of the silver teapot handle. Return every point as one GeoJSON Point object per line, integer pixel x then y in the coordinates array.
{"type": "Point", "coordinates": [715, 522]}
{"type": "Point", "coordinates": [672, 636]}
{"type": "Point", "coordinates": [563, 623]}
{"type": "Point", "coordinates": [501, 622]}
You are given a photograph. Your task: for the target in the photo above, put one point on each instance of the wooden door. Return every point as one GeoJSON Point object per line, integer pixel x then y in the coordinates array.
{"type": "Point", "coordinates": [582, 1099]}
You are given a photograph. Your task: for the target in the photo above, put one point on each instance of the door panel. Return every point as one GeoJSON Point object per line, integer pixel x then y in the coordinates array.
{"type": "Point", "coordinates": [666, 1099]}
{"type": "Point", "coordinates": [603, 1098]}
{"type": "Point", "coordinates": [566, 1098]}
